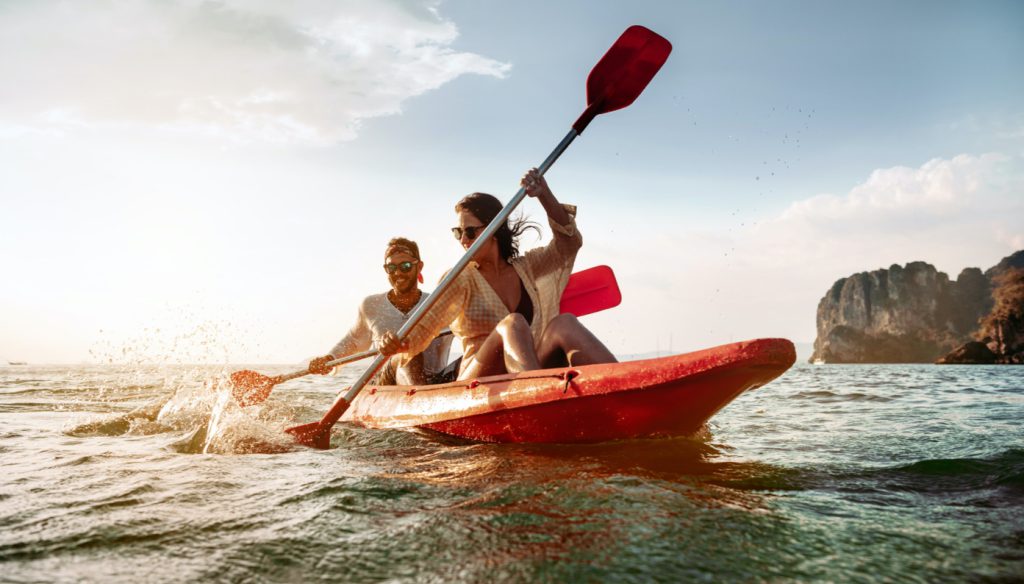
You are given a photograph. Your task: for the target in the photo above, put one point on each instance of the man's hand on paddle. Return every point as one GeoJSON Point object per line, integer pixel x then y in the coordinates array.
{"type": "Point", "coordinates": [319, 365]}
{"type": "Point", "coordinates": [389, 344]}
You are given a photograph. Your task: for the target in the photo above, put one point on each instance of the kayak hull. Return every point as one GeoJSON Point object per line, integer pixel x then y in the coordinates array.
{"type": "Point", "coordinates": [663, 397]}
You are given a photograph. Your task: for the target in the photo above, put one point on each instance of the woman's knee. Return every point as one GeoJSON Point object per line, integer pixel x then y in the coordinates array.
{"type": "Point", "coordinates": [513, 323]}
{"type": "Point", "coordinates": [564, 325]}
{"type": "Point", "coordinates": [566, 319]}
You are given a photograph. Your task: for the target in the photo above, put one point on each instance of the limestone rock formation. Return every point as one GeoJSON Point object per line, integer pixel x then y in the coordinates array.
{"type": "Point", "coordinates": [905, 314]}
{"type": "Point", "coordinates": [1016, 260]}
{"type": "Point", "coordinates": [970, 353]}
{"type": "Point", "coordinates": [1002, 331]}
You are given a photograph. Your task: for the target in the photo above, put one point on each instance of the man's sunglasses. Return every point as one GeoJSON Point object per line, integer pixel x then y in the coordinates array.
{"type": "Point", "coordinates": [404, 266]}
{"type": "Point", "coordinates": [471, 231]}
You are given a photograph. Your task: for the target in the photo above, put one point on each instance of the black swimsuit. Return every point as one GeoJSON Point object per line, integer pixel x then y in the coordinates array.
{"type": "Point", "coordinates": [525, 307]}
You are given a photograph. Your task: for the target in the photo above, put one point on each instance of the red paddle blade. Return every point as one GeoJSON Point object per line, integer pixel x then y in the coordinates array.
{"type": "Point", "coordinates": [623, 72]}
{"type": "Point", "coordinates": [250, 388]}
{"type": "Point", "coordinates": [315, 435]}
{"type": "Point", "coordinates": [591, 290]}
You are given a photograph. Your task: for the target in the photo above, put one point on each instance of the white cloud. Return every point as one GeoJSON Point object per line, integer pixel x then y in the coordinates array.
{"type": "Point", "coordinates": [942, 212]}
{"type": "Point", "coordinates": [939, 188]}
{"type": "Point", "coordinates": [249, 70]}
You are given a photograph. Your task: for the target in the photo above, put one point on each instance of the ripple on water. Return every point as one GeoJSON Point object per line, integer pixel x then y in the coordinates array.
{"type": "Point", "coordinates": [826, 396]}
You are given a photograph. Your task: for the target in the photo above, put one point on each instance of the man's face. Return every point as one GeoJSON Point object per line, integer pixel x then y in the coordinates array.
{"type": "Point", "coordinates": [402, 270]}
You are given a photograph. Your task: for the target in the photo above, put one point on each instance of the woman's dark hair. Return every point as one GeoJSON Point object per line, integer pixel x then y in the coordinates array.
{"type": "Point", "coordinates": [485, 208]}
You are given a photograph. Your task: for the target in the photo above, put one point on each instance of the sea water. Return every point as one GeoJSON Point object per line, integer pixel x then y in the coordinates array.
{"type": "Point", "coordinates": [844, 473]}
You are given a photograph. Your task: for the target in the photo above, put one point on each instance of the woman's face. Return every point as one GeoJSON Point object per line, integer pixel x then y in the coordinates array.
{"type": "Point", "coordinates": [469, 224]}
{"type": "Point", "coordinates": [395, 266]}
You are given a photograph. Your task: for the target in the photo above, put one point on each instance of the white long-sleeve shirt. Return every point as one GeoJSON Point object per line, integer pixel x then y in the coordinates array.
{"type": "Point", "coordinates": [377, 316]}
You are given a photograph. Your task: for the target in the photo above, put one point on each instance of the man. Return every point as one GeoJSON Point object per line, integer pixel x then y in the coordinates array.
{"type": "Point", "coordinates": [386, 313]}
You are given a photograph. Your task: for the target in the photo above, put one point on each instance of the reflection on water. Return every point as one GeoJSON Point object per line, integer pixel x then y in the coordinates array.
{"type": "Point", "coordinates": [830, 473]}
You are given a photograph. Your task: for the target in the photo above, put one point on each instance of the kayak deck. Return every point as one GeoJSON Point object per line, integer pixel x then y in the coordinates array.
{"type": "Point", "coordinates": [662, 397]}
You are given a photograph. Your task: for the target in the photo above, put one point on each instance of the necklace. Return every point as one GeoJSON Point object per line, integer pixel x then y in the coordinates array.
{"type": "Point", "coordinates": [404, 305]}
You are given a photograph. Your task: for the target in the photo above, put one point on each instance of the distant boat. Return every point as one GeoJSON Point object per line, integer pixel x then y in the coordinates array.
{"type": "Point", "coordinates": [17, 363]}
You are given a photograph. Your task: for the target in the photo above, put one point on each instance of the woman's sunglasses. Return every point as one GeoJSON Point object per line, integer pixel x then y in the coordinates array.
{"type": "Point", "coordinates": [471, 231]}
{"type": "Point", "coordinates": [404, 266]}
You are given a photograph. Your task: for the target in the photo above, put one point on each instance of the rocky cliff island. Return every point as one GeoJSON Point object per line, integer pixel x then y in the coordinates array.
{"type": "Point", "coordinates": [916, 314]}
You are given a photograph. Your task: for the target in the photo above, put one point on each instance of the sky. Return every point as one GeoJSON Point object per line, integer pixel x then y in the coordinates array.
{"type": "Point", "coordinates": [214, 181]}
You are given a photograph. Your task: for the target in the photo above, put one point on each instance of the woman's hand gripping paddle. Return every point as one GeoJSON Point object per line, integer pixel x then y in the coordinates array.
{"type": "Point", "coordinates": [588, 291]}
{"type": "Point", "coordinates": [614, 83]}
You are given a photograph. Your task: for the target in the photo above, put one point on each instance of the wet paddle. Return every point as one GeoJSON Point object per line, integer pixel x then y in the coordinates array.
{"type": "Point", "coordinates": [588, 291]}
{"type": "Point", "coordinates": [614, 83]}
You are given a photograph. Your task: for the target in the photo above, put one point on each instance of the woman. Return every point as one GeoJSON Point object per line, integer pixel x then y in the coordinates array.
{"type": "Point", "coordinates": [504, 306]}
{"type": "Point", "coordinates": [386, 313]}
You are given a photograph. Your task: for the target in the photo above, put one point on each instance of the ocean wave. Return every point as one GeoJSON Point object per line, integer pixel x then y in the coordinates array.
{"type": "Point", "coordinates": [931, 476]}
{"type": "Point", "coordinates": [960, 481]}
{"type": "Point", "coordinates": [1003, 469]}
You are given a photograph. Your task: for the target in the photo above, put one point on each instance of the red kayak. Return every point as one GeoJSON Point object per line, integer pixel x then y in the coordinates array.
{"type": "Point", "coordinates": [668, 396]}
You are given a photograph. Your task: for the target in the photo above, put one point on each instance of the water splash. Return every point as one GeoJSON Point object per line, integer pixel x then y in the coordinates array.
{"type": "Point", "coordinates": [206, 420]}
{"type": "Point", "coordinates": [233, 429]}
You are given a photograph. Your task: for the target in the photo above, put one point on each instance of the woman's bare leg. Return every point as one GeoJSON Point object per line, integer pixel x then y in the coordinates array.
{"type": "Point", "coordinates": [508, 349]}
{"type": "Point", "coordinates": [520, 354]}
{"type": "Point", "coordinates": [566, 336]}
